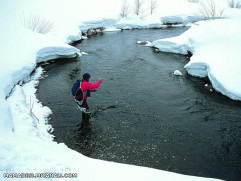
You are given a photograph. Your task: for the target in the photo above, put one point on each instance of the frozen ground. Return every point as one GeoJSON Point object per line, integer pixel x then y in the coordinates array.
{"type": "Point", "coordinates": [25, 142]}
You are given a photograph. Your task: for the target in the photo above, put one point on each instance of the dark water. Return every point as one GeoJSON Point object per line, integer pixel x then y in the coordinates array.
{"type": "Point", "coordinates": [142, 114]}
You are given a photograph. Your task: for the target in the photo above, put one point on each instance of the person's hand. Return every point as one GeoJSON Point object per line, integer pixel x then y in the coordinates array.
{"type": "Point", "coordinates": [101, 80]}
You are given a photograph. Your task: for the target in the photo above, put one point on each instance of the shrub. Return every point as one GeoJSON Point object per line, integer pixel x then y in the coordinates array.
{"type": "Point", "coordinates": [234, 3]}
{"type": "Point", "coordinates": [153, 6]}
{"type": "Point", "coordinates": [209, 10]}
{"type": "Point", "coordinates": [37, 23]}
{"type": "Point", "coordinates": [125, 9]}
{"type": "Point", "coordinates": [138, 6]}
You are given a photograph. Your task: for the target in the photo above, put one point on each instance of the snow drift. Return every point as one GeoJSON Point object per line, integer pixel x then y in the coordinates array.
{"type": "Point", "coordinates": [215, 47]}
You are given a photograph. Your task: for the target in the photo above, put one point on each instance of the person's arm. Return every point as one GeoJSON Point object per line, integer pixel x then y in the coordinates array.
{"type": "Point", "coordinates": [92, 86]}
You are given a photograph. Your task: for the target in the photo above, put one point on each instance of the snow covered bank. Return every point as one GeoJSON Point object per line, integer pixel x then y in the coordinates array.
{"type": "Point", "coordinates": [215, 46]}
{"type": "Point", "coordinates": [180, 19]}
{"type": "Point", "coordinates": [50, 53]}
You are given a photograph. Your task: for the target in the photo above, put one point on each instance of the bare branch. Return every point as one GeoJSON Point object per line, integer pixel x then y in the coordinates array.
{"type": "Point", "coordinates": [153, 6]}
{"type": "Point", "coordinates": [208, 9]}
{"type": "Point", "coordinates": [36, 23]}
{"type": "Point", "coordinates": [125, 8]}
{"type": "Point", "coordinates": [138, 6]}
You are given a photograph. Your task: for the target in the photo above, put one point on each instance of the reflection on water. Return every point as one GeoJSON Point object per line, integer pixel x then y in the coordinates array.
{"type": "Point", "coordinates": [142, 114]}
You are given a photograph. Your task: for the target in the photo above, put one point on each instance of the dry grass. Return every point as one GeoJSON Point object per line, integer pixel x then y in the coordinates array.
{"type": "Point", "coordinates": [37, 23]}
{"type": "Point", "coordinates": [234, 4]}
{"type": "Point", "coordinates": [209, 10]}
{"type": "Point", "coordinates": [31, 109]}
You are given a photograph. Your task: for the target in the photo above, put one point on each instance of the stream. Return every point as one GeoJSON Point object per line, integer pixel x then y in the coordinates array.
{"type": "Point", "coordinates": [142, 114]}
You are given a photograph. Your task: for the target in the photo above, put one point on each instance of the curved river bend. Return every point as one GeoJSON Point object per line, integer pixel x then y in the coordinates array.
{"type": "Point", "coordinates": [142, 114]}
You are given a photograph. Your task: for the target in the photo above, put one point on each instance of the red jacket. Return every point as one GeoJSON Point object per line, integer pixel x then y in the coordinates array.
{"type": "Point", "coordinates": [87, 85]}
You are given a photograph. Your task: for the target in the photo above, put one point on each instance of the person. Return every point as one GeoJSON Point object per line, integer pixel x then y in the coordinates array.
{"type": "Point", "coordinates": [87, 87]}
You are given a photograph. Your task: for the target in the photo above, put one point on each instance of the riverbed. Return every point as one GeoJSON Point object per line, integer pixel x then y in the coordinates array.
{"type": "Point", "coordinates": [142, 114]}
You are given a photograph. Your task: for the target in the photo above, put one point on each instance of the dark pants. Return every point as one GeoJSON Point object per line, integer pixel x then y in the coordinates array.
{"type": "Point", "coordinates": [85, 117]}
{"type": "Point", "coordinates": [85, 104]}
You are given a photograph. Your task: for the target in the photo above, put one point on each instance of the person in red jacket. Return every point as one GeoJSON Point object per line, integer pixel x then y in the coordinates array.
{"type": "Point", "coordinates": [87, 87]}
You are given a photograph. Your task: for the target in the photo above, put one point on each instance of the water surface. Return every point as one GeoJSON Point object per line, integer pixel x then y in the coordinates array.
{"type": "Point", "coordinates": [142, 114]}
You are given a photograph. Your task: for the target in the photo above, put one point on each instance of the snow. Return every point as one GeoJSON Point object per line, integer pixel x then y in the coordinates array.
{"type": "Point", "coordinates": [21, 101]}
{"type": "Point", "coordinates": [215, 47]}
{"type": "Point", "coordinates": [180, 19]}
{"type": "Point", "coordinates": [177, 72]}
{"type": "Point", "coordinates": [49, 53]}
{"type": "Point", "coordinates": [91, 24]}
{"type": "Point", "coordinates": [84, 53]}
{"type": "Point", "coordinates": [26, 142]}
{"type": "Point", "coordinates": [136, 22]}
{"type": "Point", "coordinates": [111, 29]}
{"type": "Point", "coordinates": [144, 43]}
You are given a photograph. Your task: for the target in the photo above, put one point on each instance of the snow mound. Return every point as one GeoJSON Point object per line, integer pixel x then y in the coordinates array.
{"type": "Point", "coordinates": [177, 72]}
{"type": "Point", "coordinates": [144, 43]}
{"type": "Point", "coordinates": [216, 53]}
{"type": "Point", "coordinates": [198, 69]}
{"type": "Point", "coordinates": [49, 53]}
{"type": "Point", "coordinates": [167, 45]}
{"type": "Point", "coordinates": [180, 19]}
{"type": "Point", "coordinates": [73, 38]}
{"type": "Point", "coordinates": [136, 22]}
{"type": "Point", "coordinates": [93, 24]}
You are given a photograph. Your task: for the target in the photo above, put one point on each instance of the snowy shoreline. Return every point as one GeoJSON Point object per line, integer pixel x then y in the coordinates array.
{"type": "Point", "coordinates": [207, 60]}
{"type": "Point", "coordinates": [27, 134]}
